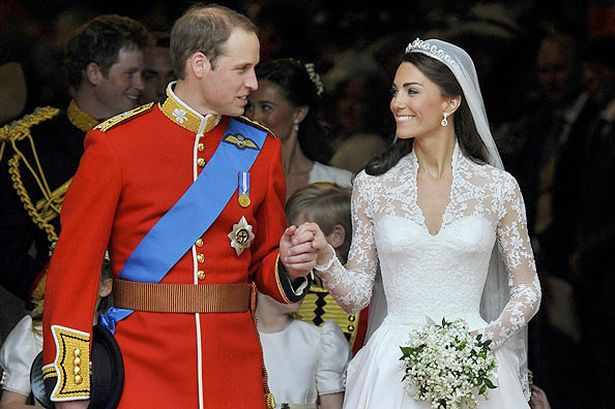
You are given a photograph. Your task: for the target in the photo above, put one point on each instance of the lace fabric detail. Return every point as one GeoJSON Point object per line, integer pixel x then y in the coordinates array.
{"type": "Point", "coordinates": [443, 274]}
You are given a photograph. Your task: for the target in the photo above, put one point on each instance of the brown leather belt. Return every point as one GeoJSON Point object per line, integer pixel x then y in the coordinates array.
{"type": "Point", "coordinates": [183, 298]}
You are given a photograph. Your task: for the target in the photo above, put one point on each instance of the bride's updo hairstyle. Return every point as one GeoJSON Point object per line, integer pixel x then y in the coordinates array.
{"type": "Point", "coordinates": [469, 140]}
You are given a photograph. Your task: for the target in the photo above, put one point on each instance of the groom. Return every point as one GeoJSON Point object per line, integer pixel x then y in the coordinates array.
{"type": "Point", "coordinates": [188, 196]}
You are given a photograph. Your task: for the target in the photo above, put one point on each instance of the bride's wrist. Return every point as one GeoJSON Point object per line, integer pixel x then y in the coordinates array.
{"type": "Point", "coordinates": [325, 265]}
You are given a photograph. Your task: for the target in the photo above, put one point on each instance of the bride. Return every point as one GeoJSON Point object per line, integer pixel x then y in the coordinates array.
{"type": "Point", "coordinates": [429, 213]}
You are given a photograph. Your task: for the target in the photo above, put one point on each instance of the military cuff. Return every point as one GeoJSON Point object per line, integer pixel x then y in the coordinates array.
{"type": "Point", "coordinates": [72, 364]}
{"type": "Point", "coordinates": [292, 290]}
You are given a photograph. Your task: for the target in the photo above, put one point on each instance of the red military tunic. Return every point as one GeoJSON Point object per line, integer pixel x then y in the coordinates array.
{"type": "Point", "coordinates": [130, 176]}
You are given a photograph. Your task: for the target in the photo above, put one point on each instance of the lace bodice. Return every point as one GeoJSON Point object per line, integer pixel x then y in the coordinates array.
{"type": "Point", "coordinates": [439, 275]}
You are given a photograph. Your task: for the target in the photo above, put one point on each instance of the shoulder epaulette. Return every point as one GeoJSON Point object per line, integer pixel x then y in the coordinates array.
{"type": "Point", "coordinates": [256, 124]}
{"type": "Point", "coordinates": [118, 119]}
{"type": "Point", "coordinates": [20, 128]}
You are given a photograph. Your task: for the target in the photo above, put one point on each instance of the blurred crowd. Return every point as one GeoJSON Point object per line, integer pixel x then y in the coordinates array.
{"type": "Point", "coordinates": [547, 72]}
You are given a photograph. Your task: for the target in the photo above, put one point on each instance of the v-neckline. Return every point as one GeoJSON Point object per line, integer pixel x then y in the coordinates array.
{"type": "Point", "coordinates": [454, 165]}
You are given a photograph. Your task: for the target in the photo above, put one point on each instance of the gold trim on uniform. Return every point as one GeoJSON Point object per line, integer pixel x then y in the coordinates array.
{"type": "Point", "coordinates": [48, 208]}
{"type": "Point", "coordinates": [183, 115]}
{"type": "Point", "coordinates": [20, 130]}
{"type": "Point", "coordinates": [118, 119]}
{"type": "Point", "coordinates": [256, 124]}
{"type": "Point", "coordinates": [4, 138]}
{"type": "Point", "coordinates": [330, 311]}
{"type": "Point", "coordinates": [241, 141]}
{"type": "Point", "coordinates": [49, 371]}
{"type": "Point", "coordinates": [81, 119]}
{"type": "Point", "coordinates": [270, 400]}
{"type": "Point", "coordinates": [241, 236]}
{"type": "Point", "coordinates": [72, 364]}
{"type": "Point", "coordinates": [278, 282]}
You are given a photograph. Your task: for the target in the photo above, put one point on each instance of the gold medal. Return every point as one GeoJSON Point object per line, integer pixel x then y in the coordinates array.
{"type": "Point", "coordinates": [244, 200]}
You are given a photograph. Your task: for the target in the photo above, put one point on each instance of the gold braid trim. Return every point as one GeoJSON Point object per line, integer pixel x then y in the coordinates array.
{"type": "Point", "coordinates": [115, 120]}
{"type": "Point", "coordinates": [4, 137]}
{"type": "Point", "coordinates": [278, 282]}
{"type": "Point", "coordinates": [19, 131]}
{"type": "Point", "coordinates": [49, 371]}
{"type": "Point", "coordinates": [37, 218]}
{"type": "Point", "coordinates": [256, 124]}
{"type": "Point", "coordinates": [81, 119]}
{"type": "Point", "coordinates": [72, 364]}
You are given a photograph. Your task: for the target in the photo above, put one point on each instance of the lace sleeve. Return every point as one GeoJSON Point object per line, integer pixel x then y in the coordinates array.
{"type": "Point", "coordinates": [514, 245]}
{"type": "Point", "coordinates": [351, 286]}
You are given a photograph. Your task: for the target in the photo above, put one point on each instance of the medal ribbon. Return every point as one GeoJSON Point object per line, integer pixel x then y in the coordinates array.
{"type": "Point", "coordinates": [244, 186]}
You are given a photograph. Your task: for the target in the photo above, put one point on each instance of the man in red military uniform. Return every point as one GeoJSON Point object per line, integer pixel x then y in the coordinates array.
{"type": "Point", "coordinates": [148, 182]}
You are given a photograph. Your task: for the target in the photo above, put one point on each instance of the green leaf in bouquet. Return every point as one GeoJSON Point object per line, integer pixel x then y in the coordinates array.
{"type": "Point", "coordinates": [489, 384]}
{"type": "Point", "coordinates": [406, 351]}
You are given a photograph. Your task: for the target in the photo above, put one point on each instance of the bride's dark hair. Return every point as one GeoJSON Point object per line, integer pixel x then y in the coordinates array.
{"type": "Point", "coordinates": [469, 140]}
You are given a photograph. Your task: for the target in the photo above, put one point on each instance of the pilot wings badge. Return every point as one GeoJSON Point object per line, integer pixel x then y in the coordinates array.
{"type": "Point", "coordinates": [240, 141]}
{"type": "Point", "coordinates": [241, 236]}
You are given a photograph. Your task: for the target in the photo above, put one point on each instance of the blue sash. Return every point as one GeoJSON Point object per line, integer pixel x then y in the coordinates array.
{"type": "Point", "coordinates": [175, 233]}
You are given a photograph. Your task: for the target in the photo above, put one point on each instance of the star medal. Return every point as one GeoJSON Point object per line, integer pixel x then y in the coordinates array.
{"type": "Point", "coordinates": [244, 189]}
{"type": "Point", "coordinates": [241, 236]}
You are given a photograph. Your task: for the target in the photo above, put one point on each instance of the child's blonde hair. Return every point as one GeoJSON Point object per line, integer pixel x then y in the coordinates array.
{"type": "Point", "coordinates": [326, 204]}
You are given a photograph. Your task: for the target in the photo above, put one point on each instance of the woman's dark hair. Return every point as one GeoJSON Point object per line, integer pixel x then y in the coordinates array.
{"type": "Point", "coordinates": [469, 140]}
{"type": "Point", "coordinates": [300, 89]}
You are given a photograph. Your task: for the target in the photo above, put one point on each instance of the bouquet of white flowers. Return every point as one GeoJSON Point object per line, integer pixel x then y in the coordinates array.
{"type": "Point", "coordinates": [447, 366]}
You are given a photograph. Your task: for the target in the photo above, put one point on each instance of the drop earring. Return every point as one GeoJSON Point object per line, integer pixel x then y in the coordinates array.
{"type": "Point", "coordinates": [444, 121]}
{"type": "Point", "coordinates": [296, 126]}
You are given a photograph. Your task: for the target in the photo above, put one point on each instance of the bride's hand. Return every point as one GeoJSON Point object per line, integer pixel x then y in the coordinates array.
{"type": "Point", "coordinates": [319, 242]}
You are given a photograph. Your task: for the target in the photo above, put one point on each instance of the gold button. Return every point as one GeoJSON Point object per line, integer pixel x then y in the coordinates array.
{"type": "Point", "coordinates": [201, 275]}
{"type": "Point", "coordinates": [77, 352]}
{"type": "Point", "coordinates": [200, 257]}
{"type": "Point", "coordinates": [200, 162]}
{"type": "Point", "coordinates": [199, 243]}
{"type": "Point", "coordinates": [78, 379]}
{"type": "Point", "coordinates": [201, 147]}
{"type": "Point", "coordinates": [77, 370]}
{"type": "Point", "coordinates": [351, 328]}
{"type": "Point", "coordinates": [77, 361]}
{"type": "Point", "coordinates": [351, 318]}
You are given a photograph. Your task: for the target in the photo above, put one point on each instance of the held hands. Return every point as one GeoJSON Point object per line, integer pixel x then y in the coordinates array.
{"type": "Point", "coordinates": [301, 248]}
{"type": "Point", "coordinates": [317, 241]}
{"type": "Point", "coordinates": [296, 252]}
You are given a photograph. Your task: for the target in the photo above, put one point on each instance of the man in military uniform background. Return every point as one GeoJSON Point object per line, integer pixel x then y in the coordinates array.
{"type": "Point", "coordinates": [188, 196]}
{"type": "Point", "coordinates": [41, 152]}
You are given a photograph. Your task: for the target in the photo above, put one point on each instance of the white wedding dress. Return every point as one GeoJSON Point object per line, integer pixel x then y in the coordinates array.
{"type": "Point", "coordinates": [433, 275]}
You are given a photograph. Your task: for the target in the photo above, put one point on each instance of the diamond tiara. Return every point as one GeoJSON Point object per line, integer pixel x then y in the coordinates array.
{"type": "Point", "coordinates": [424, 47]}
